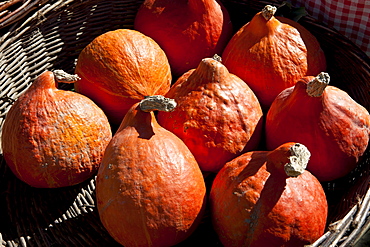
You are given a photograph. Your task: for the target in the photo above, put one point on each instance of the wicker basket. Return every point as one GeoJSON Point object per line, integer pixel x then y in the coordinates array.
{"type": "Point", "coordinates": [52, 35]}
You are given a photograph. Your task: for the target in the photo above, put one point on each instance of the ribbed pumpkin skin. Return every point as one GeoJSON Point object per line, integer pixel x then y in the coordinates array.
{"type": "Point", "coordinates": [150, 190]}
{"type": "Point", "coordinates": [333, 127]}
{"type": "Point", "coordinates": [217, 116]}
{"type": "Point", "coordinates": [271, 56]}
{"type": "Point", "coordinates": [254, 204]}
{"type": "Point", "coordinates": [54, 138]}
{"type": "Point", "coordinates": [119, 68]}
{"type": "Point", "coordinates": [187, 30]}
{"type": "Point", "coordinates": [316, 60]}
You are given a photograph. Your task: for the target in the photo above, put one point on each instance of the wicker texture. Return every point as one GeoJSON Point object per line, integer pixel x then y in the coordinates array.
{"type": "Point", "coordinates": [52, 36]}
{"type": "Point", "coordinates": [12, 11]}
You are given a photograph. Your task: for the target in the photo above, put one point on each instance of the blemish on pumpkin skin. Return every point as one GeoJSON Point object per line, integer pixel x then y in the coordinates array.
{"type": "Point", "coordinates": [238, 193]}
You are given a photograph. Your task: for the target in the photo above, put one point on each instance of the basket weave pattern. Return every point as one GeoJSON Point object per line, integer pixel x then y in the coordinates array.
{"type": "Point", "coordinates": [52, 35]}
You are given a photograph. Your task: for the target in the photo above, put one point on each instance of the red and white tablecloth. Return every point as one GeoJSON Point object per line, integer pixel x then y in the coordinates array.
{"type": "Point", "coordinates": [349, 17]}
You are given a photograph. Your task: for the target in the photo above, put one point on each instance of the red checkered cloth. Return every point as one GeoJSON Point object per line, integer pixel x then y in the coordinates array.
{"type": "Point", "coordinates": [351, 18]}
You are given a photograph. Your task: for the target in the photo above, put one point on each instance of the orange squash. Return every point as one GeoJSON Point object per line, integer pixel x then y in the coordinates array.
{"type": "Point", "coordinates": [324, 118]}
{"type": "Point", "coordinates": [119, 68]}
{"type": "Point", "coordinates": [267, 198]}
{"type": "Point", "coordinates": [187, 30]}
{"type": "Point", "coordinates": [270, 55]}
{"type": "Point", "coordinates": [54, 138]}
{"type": "Point", "coordinates": [218, 116]}
{"type": "Point", "coordinates": [316, 60]}
{"type": "Point", "coordinates": [150, 190]}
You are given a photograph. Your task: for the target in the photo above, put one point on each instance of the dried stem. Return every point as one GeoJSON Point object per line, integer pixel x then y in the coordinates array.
{"type": "Point", "coordinates": [63, 77]}
{"type": "Point", "coordinates": [268, 12]}
{"type": "Point", "coordinates": [316, 87]}
{"type": "Point", "coordinates": [217, 58]}
{"type": "Point", "coordinates": [297, 161]}
{"type": "Point", "coordinates": [157, 103]}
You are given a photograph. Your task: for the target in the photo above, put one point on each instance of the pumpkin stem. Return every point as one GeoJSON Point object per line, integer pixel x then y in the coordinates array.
{"type": "Point", "coordinates": [157, 103]}
{"type": "Point", "coordinates": [268, 11]}
{"type": "Point", "coordinates": [316, 87]}
{"type": "Point", "coordinates": [217, 58]}
{"type": "Point", "coordinates": [63, 77]}
{"type": "Point", "coordinates": [297, 161]}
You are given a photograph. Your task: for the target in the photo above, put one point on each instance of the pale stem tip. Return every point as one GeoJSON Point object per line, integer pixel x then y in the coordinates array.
{"type": "Point", "coordinates": [268, 11]}
{"type": "Point", "coordinates": [316, 87]}
{"type": "Point", "coordinates": [63, 77]}
{"type": "Point", "coordinates": [157, 103]}
{"type": "Point", "coordinates": [298, 160]}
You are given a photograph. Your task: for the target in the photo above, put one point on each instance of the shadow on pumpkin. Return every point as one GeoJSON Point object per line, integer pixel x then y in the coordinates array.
{"type": "Point", "coordinates": [267, 200]}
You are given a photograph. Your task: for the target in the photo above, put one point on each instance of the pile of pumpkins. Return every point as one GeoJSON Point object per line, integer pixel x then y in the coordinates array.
{"type": "Point", "coordinates": [252, 107]}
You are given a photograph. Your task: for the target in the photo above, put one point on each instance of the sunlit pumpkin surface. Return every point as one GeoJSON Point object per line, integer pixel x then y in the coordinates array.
{"type": "Point", "coordinates": [270, 55]}
{"type": "Point", "coordinates": [150, 190]}
{"type": "Point", "coordinates": [54, 138]}
{"type": "Point", "coordinates": [218, 116]}
{"type": "Point", "coordinates": [119, 68]}
{"type": "Point", "coordinates": [254, 203]}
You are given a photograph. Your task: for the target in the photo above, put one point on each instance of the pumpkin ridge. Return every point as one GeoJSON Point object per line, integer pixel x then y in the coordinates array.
{"type": "Point", "coordinates": [355, 124]}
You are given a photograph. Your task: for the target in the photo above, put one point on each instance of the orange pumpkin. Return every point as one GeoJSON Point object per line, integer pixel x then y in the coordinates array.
{"type": "Point", "coordinates": [119, 68]}
{"type": "Point", "coordinates": [54, 138]}
{"type": "Point", "coordinates": [316, 60]}
{"type": "Point", "coordinates": [324, 118]}
{"type": "Point", "coordinates": [187, 30]}
{"type": "Point", "coordinates": [218, 116]}
{"type": "Point", "coordinates": [270, 55]}
{"type": "Point", "coordinates": [266, 198]}
{"type": "Point", "coordinates": [150, 190]}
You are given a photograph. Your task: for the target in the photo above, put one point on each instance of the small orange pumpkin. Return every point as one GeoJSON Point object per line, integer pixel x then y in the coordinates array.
{"type": "Point", "coordinates": [187, 30]}
{"type": "Point", "coordinates": [218, 116]}
{"type": "Point", "coordinates": [270, 55]}
{"type": "Point", "coordinates": [119, 68]}
{"type": "Point", "coordinates": [54, 138]}
{"type": "Point", "coordinates": [150, 190]}
{"type": "Point", "coordinates": [326, 120]}
{"type": "Point", "coordinates": [267, 198]}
